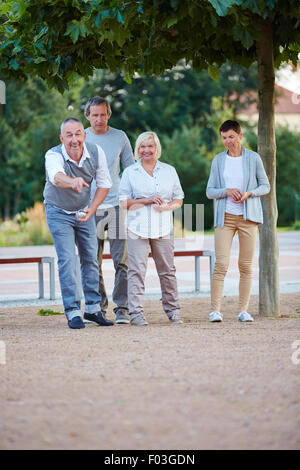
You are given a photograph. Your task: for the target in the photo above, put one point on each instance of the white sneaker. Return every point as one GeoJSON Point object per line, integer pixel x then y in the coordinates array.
{"type": "Point", "coordinates": [175, 318]}
{"type": "Point", "coordinates": [245, 317]}
{"type": "Point", "coordinates": [138, 320]}
{"type": "Point", "coordinates": [215, 317]}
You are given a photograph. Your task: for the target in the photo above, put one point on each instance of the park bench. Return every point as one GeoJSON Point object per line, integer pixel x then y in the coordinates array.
{"type": "Point", "coordinates": [196, 254]}
{"type": "Point", "coordinates": [41, 261]}
{"type": "Point", "coordinates": [50, 260]}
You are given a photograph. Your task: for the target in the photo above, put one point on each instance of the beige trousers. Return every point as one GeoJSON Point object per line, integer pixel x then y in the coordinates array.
{"type": "Point", "coordinates": [162, 250]}
{"type": "Point", "coordinates": [247, 232]}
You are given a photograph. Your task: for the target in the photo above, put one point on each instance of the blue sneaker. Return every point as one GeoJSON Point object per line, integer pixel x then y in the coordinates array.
{"type": "Point", "coordinates": [76, 323]}
{"type": "Point", "coordinates": [97, 318]}
{"type": "Point", "coordinates": [122, 317]}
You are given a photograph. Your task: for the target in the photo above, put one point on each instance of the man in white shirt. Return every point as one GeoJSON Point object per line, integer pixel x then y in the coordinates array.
{"type": "Point", "coordinates": [70, 170]}
{"type": "Point", "coordinates": [118, 151]}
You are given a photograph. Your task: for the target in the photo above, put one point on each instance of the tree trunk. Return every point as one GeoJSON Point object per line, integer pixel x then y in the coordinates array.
{"type": "Point", "coordinates": [17, 200]}
{"type": "Point", "coordinates": [6, 204]}
{"type": "Point", "coordinates": [269, 303]}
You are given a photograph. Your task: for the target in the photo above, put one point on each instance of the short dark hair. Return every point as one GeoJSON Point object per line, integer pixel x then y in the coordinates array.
{"type": "Point", "coordinates": [70, 119]}
{"type": "Point", "coordinates": [95, 101]}
{"type": "Point", "coordinates": [230, 125]}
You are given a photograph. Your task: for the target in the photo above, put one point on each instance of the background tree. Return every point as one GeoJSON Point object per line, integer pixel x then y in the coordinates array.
{"type": "Point", "coordinates": [287, 172]}
{"type": "Point", "coordinates": [28, 127]}
{"type": "Point", "coordinates": [58, 40]}
{"type": "Point", "coordinates": [179, 97]}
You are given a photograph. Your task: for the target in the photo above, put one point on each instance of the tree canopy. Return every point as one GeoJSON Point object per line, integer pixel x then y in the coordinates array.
{"type": "Point", "coordinates": [59, 39]}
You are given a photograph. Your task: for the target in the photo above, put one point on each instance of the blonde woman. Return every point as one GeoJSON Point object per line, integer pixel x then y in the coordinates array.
{"type": "Point", "coordinates": [150, 190]}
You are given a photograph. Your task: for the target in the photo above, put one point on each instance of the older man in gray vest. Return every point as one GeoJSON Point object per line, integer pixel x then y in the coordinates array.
{"type": "Point", "coordinates": [70, 170]}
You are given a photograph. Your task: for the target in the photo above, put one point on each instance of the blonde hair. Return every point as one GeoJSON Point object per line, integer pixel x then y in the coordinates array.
{"type": "Point", "coordinates": [146, 136]}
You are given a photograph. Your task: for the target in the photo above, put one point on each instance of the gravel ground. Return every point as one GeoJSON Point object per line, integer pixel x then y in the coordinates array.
{"type": "Point", "coordinates": [191, 386]}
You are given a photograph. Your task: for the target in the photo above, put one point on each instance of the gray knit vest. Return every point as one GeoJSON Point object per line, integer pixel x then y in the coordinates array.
{"type": "Point", "coordinates": [69, 199]}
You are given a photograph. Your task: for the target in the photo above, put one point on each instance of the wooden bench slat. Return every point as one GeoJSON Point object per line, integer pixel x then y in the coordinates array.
{"type": "Point", "coordinates": [50, 260]}
{"type": "Point", "coordinates": [176, 253]}
{"type": "Point", "coordinates": [19, 260]}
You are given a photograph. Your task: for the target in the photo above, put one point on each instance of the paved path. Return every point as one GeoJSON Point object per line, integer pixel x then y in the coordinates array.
{"type": "Point", "coordinates": [19, 283]}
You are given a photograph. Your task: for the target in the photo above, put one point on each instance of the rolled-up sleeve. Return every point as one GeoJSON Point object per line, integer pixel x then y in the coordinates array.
{"type": "Point", "coordinates": [125, 189]}
{"type": "Point", "coordinates": [54, 164]}
{"type": "Point", "coordinates": [102, 177]}
{"type": "Point", "coordinates": [177, 189]}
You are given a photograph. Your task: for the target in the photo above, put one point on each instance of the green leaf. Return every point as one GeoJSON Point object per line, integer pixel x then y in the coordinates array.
{"type": "Point", "coordinates": [72, 31]}
{"type": "Point", "coordinates": [76, 29]}
{"type": "Point", "coordinates": [14, 64]}
{"type": "Point", "coordinates": [120, 17]}
{"type": "Point", "coordinates": [105, 14]}
{"type": "Point", "coordinates": [128, 79]}
{"type": "Point", "coordinates": [241, 34]}
{"type": "Point", "coordinates": [40, 34]}
{"type": "Point", "coordinates": [4, 8]}
{"type": "Point", "coordinates": [171, 21]}
{"type": "Point", "coordinates": [294, 47]}
{"type": "Point", "coordinates": [97, 20]}
{"type": "Point", "coordinates": [39, 60]}
{"type": "Point", "coordinates": [222, 6]}
{"type": "Point", "coordinates": [213, 72]}
{"type": "Point", "coordinates": [7, 43]}
{"type": "Point", "coordinates": [175, 4]}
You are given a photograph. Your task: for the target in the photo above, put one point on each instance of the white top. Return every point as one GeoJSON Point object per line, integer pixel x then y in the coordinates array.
{"type": "Point", "coordinates": [136, 183]}
{"type": "Point", "coordinates": [233, 176]}
{"type": "Point", "coordinates": [55, 164]}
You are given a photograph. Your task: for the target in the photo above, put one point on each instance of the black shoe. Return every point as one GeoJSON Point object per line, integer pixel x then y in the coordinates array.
{"type": "Point", "coordinates": [97, 318]}
{"type": "Point", "coordinates": [76, 323]}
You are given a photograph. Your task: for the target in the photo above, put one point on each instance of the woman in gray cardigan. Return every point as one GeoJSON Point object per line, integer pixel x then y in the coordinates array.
{"type": "Point", "coordinates": [237, 180]}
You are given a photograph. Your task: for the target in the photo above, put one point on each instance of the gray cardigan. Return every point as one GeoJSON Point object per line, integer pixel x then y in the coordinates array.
{"type": "Point", "coordinates": [255, 180]}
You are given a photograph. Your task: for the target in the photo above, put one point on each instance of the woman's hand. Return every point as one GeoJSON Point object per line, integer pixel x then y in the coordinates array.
{"type": "Point", "coordinates": [161, 207]}
{"type": "Point", "coordinates": [235, 193]}
{"type": "Point", "coordinates": [171, 206]}
{"type": "Point", "coordinates": [156, 200]}
{"type": "Point", "coordinates": [244, 197]}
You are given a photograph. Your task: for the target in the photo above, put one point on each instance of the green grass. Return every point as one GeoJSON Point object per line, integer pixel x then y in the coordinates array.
{"type": "Point", "coordinates": [26, 229]}
{"type": "Point", "coordinates": [48, 312]}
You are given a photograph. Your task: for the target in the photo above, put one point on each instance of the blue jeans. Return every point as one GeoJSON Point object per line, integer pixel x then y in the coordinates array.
{"type": "Point", "coordinates": [66, 231]}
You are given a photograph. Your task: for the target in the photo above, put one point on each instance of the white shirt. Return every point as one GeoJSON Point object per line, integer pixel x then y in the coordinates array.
{"type": "Point", "coordinates": [136, 183]}
{"type": "Point", "coordinates": [233, 176]}
{"type": "Point", "coordinates": [55, 164]}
